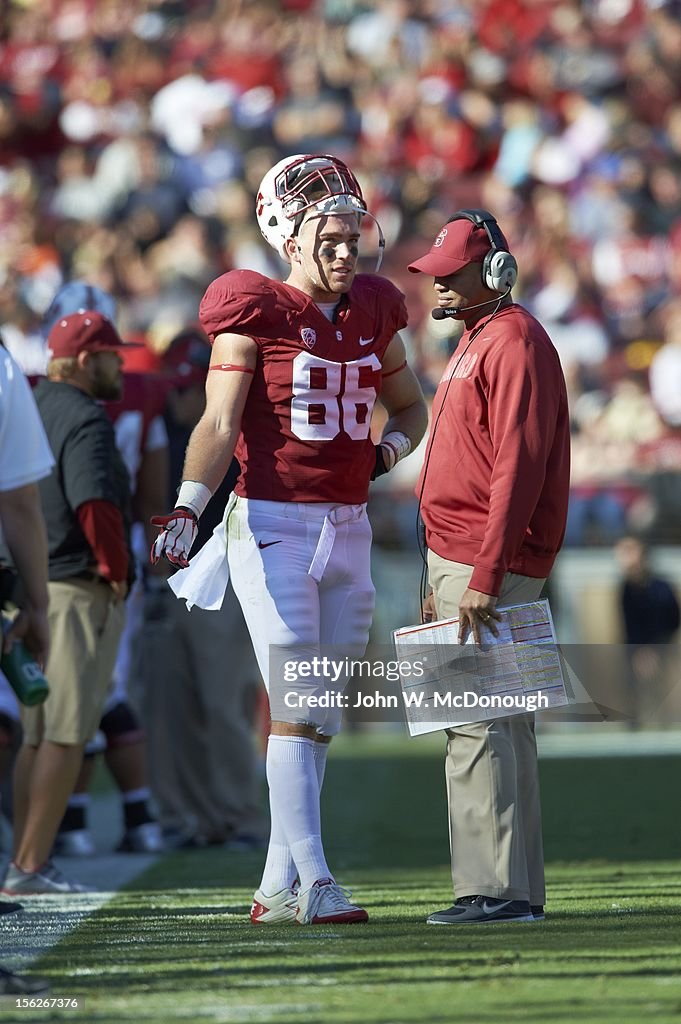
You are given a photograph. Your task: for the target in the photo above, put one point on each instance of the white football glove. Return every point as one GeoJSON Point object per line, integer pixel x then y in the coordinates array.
{"type": "Point", "coordinates": [178, 533]}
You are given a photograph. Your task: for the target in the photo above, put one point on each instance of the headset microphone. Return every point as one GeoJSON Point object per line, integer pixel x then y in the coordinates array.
{"type": "Point", "coordinates": [443, 313]}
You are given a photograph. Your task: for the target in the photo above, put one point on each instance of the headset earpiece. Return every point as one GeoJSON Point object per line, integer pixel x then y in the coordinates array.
{"type": "Point", "coordinates": [499, 268]}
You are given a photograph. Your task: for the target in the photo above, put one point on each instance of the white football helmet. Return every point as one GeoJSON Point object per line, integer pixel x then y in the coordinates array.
{"type": "Point", "coordinates": [76, 297]}
{"type": "Point", "coordinates": [297, 184]}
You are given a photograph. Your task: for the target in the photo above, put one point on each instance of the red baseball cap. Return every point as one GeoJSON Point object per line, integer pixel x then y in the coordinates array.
{"type": "Point", "coordinates": [460, 242]}
{"type": "Point", "coordinates": [87, 331]}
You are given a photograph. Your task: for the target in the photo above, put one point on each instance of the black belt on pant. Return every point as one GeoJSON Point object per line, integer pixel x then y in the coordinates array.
{"type": "Point", "coordinates": [91, 577]}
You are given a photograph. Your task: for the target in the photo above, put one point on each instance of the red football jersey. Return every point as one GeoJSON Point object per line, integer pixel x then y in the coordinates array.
{"type": "Point", "coordinates": [138, 420]}
{"type": "Point", "coordinates": [305, 432]}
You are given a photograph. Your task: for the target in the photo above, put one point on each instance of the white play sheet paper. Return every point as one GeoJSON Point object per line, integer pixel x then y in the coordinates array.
{"type": "Point", "coordinates": [519, 664]}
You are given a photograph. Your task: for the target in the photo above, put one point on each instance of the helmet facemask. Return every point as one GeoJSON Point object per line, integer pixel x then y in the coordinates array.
{"type": "Point", "coordinates": [304, 186]}
{"type": "Point", "coordinates": [321, 184]}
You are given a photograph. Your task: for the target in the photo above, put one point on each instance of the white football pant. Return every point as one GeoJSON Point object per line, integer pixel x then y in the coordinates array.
{"type": "Point", "coordinates": [294, 615]}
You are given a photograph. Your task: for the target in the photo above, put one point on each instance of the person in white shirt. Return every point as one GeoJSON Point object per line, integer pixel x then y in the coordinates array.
{"type": "Point", "coordinates": [25, 458]}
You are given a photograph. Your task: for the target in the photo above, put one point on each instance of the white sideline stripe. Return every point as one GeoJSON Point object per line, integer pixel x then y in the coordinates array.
{"type": "Point", "coordinates": [46, 920]}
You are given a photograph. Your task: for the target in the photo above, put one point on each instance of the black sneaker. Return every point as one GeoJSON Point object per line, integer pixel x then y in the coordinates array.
{"type": "Point", "coordinates": [144, 838]}
{"type": "Point", "coordinates": [21, 984]}
{"type": "Point", "coordinates": [538, 913]}
{"type": "Point", "coordinates": [482, 910]}
{"type": "Point", "coordinates": [9, 908]}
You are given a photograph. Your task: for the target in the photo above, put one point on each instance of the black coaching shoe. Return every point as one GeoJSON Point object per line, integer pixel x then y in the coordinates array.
{"type": "Point", "coordinates": [21, 984]}
{"type": "Point", "coordinates": [483, 910]}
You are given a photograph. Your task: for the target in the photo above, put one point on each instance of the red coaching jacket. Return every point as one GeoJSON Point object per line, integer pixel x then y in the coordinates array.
{"type": "Point", "coordinates": [497, 469]}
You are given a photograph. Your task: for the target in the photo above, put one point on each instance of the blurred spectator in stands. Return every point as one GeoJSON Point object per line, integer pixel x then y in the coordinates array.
{"type": "Point", "coordinates": [664, 185]}
{"type": "Point", "coordinates": [665, 368]}
{"type": "Point", "coordinates": [650, 620]}
{"type": "Point", "coordinates": [567, 313]}
{"type": "Point", "coordinates": [156, 202]}
{"type": "Point", "coordinates": [387, 31]}
{"type": "Point", "coordinates": [312, 117]}
{"type": "Point", "coordinates": [631, 267]}
{"type": "Point", "coordinates": [76, 196]}
{"type": "Point", "coordinates": [521, 136]}
{"type": "Point", "coordinates": [605, 479]}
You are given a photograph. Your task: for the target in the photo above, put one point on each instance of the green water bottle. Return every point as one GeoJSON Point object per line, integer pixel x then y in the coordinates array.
{"type": "Point", "coordinates": [23, 673]}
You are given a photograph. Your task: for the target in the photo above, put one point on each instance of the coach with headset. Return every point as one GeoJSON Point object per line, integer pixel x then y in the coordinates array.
{"type": "Point", "coordinates": [493, 496]}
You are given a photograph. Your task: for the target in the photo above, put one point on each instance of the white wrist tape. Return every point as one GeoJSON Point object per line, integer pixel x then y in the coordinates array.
{"type": "Point", "coordinates": [193, 495]}
{"type": "Point", "coordinates": [396, 445]}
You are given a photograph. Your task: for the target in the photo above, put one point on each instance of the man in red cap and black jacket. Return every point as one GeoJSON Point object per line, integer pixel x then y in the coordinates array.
{"type": "Point", "coordinates": [86, 507]}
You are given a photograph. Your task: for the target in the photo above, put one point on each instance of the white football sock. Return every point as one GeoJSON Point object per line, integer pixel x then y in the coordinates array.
{"type": "Point", "coordinates": [280, 871]}
{"type": "Point", "coordinates": [294, 805]}
{"type": "Point", "coordinates": [320, 751]}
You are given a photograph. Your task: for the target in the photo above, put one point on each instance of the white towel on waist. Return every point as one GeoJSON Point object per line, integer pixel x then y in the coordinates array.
{"type": "Point", "coordinates": [204, 581]}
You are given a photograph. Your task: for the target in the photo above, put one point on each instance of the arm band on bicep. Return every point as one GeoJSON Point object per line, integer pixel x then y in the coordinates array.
{"type": "Point", "coordinates": [395, 445]}
{"type": "Point", "coordinates": [193, 495]}
{"type": "Point", "coordinates": [232, 368]}
{"type": "Point", "coordinates": [396, 370]}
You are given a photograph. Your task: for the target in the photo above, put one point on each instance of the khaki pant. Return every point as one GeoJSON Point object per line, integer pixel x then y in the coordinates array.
{"type": "Point", "coordinates": [492, 776]}
{"type": "Point", "coordinates": [85, 629]}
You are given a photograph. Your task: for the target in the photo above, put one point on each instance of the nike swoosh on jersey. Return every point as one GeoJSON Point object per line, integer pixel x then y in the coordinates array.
{"type": "Point", "coordinates": [268, 544]}
{"type": "Point", "coordinates": [366, 341]}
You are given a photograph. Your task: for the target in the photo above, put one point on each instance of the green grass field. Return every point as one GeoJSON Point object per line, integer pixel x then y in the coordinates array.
{"type": "Point", "coordinates": [178, 946]}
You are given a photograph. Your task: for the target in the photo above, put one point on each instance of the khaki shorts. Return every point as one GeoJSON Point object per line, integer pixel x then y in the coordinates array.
{"type": "Point", "coordinates": [85, 628]}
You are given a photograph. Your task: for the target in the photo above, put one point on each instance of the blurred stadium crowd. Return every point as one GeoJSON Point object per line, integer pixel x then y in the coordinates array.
{"type": "Point", "coordinates": [133, 134]}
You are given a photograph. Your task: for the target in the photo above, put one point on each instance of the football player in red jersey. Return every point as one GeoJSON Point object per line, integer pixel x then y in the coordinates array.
{"type": "Point", "coordinates": [295, 371]}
